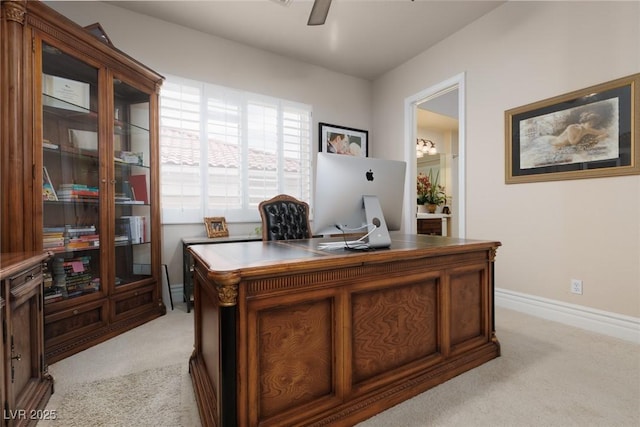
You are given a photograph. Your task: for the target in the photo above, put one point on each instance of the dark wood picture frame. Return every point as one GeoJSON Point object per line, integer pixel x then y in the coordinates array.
{"type": "Point", "coordinates": [343, 140]}
{"type": "Point", "coordinates": [588, 133]}
{"type": "Point", "coordinates": [216, 226]}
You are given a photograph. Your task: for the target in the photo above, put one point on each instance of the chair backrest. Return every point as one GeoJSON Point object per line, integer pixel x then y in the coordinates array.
{"type": "Point", "coordinates": [284, 217]}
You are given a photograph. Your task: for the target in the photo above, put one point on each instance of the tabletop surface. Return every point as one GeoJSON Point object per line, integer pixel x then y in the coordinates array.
{"type": "Point", "coordinates": [306, 254]}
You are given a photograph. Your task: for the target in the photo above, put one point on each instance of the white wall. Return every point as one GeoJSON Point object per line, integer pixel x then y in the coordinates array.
{"type": "Point", "coordinates": [171, 49]}
{"type": "Point", "coordinates": [551, 232]}
{"type": "Point", "coordinates": [520, 53]}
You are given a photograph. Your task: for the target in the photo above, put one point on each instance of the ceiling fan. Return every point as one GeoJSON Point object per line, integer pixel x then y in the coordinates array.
{"type": "Point", "coordinates": [319, 11]}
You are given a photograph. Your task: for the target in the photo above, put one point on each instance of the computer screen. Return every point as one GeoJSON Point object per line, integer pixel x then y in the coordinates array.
{"type": "Point", "coordinates": [342, 182]}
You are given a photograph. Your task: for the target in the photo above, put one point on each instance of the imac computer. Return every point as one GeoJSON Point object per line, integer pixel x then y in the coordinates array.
{"type": "Point", "coordinates": [358, 195]}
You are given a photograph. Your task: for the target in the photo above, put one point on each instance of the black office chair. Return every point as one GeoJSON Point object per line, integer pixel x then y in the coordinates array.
{"type": "Point", "coordinates": [284, 218]}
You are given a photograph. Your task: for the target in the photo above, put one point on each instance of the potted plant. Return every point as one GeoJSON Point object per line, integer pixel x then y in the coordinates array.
{"type": "Point", "coordinates": [430, 193]}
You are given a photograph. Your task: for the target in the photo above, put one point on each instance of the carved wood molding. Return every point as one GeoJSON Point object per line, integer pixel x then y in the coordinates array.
{"type": "Point", "coordinates": [227, 294]}
{"type": "Point", "coordinates": [326, 278]}
{"type": "Point", "coordinates": [14, 11]}
{"type": "Point", "coordinates": [99, 335]}
{"type": "Point", "coordinates": [492, 254]}
{"type": "Point", "coordinates": [87, 44]}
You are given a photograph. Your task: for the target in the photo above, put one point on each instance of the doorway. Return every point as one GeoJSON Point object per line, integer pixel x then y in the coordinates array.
{"type": "Point", "coordinates": [444, 99]}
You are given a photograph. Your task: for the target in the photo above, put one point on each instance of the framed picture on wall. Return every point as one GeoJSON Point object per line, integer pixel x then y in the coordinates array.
{"type": "Point", "coordinates": [216, 226]}
{"type": "Point", "coordinates": [589, 133]}
{"type": "Point", "coordinates": [343, 140]}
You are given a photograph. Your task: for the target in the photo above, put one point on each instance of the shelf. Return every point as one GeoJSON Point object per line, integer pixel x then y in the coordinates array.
{"type": "Point", "coordinates": [87, 202]}
{"type": "Point", "coordinates": [71, 151]}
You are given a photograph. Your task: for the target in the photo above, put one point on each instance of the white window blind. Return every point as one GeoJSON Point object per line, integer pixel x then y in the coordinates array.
{"type": "Point", "coordinates": [223, 151]}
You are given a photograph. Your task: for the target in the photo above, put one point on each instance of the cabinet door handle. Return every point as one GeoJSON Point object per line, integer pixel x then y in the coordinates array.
{"type": "Point", "coordinates": [17, 357]}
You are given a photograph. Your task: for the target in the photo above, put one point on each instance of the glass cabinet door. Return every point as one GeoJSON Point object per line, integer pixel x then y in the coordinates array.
{"type": "Point", "coordinates": [131, 166]}
{"type": "Point", "coordinates": [71, 181]}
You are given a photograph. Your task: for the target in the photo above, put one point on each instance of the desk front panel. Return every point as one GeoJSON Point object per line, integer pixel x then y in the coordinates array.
{"type": "Point", "coordinates": [326, 342]}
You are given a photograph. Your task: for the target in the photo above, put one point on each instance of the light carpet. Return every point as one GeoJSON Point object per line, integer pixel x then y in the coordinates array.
{"type": "Point", "coordinates": [549, 375]}
{"type": "Point", "coordinates": [139, 378]}
{"type": "Point", "coordinates": [144, 398]}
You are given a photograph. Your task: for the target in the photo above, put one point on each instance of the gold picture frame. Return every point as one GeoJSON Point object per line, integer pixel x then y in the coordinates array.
{"type": "Point", "coordinates": [216, 226]}
{"type": "Point", "coordinates": [588, 133]}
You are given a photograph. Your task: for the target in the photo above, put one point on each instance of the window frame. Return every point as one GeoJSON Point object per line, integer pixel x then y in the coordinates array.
{"type": "Point", "coordinates": [179, 212]}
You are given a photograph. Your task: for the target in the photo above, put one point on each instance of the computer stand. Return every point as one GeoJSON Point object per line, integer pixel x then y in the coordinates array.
{"type": "Point", "coordinates": [379, 238]}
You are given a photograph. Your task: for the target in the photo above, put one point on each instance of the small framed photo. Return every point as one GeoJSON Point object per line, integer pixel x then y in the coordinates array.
{"type": "Point", "coordinates": [343, 140]}
{"type": "Point", "coordinates": [588, 133]}
{"type": "Point", "coordinates": [216, 226]}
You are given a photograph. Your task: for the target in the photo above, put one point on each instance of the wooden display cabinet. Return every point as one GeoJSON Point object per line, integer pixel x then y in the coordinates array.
{"type": "Point", "coordinates": [84, 181]}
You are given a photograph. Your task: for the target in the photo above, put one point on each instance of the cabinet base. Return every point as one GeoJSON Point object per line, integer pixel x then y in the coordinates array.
{"type": "Point", "coordinates": [32, 402]}
{"type": "Point", "coordinates": [59, 351]}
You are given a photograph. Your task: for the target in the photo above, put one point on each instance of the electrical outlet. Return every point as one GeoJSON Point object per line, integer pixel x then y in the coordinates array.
{"type": "Point", "coordinates": [576, 286]}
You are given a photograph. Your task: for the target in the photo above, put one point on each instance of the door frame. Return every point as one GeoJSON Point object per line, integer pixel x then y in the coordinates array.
{"type": "Point", "coordinates": [410, 131]}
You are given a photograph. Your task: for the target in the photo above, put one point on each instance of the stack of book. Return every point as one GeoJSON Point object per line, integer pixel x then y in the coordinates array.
{"type": "Point", "coordinates": [53, 239]}
{"type": "Point", "coordinates": [73, 277]}
{"type": "Point", "coordinates": [73, 192]}
{"type": "Point", "coordinates": [136, 228]}
{"type": "Point", "coordinates": [51, 292]}
{"type": "Point", "coordinates": [81, 237]}
{"type": "Point", "coordinates": [122, 198]}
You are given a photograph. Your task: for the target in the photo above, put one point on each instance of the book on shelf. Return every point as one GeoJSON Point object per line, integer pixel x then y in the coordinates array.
{"type": "Point", "coordinates": [129, 157]}
{"type": "Point", "coordinates": [76, 186]}
{"type": "Point", "coordinates": [82, 244]}
{"type": "Point", "coordinates": [72, 277]}
{"type": "Point", "coordinates": [139, 188]}
{"type": "Point", "coordinates": [70, 237]}
{"type": "Point", "coordinates": [71, 192]}
{"type": "Point", "coordinates": [54, 246]}
{"type": "Point", "coordinates": [49, 145]}
{"type": "Point", "coordinates": [53, 238]}
{"type": "Point", "coordinates": [122, 197]}
{"type": "Point", "coordinates": [126, 197]}
{"type": "Point", "coordinates": [123, 230]}
{"type": "Point", "coordinates": [136, 227]}
{"type": "Point", "coordinates": [48, 191]}
{"type": "Point", "coordinates": [80, 228]}
{"type": "Point", "coordinates": [84, 139]}
{"type": "Point", "coordinates": [66, 93]}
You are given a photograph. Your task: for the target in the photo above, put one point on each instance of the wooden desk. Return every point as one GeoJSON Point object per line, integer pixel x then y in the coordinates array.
{"type": "Point", "coordinates": [187, 260]}
{"type": "Point", "coordinates": [286, 334]}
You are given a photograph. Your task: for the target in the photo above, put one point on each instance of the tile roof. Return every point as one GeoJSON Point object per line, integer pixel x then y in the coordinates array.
{"type": "Point", "coordinates": [183, 148]}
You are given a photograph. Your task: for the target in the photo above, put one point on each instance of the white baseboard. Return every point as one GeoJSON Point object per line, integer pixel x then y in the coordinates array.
{"type": "Point", "coordinates": [612, 324]}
